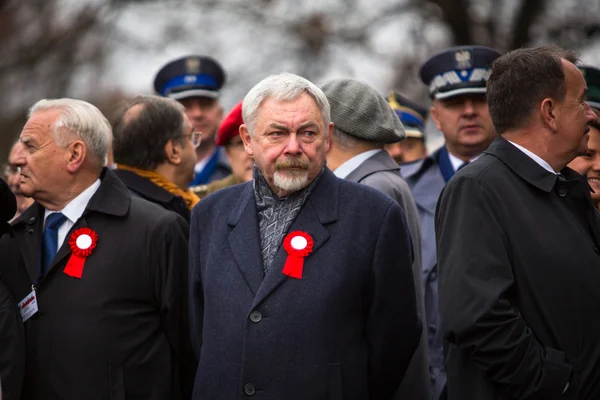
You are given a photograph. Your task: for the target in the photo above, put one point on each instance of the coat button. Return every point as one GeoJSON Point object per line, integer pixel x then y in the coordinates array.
{"type": "Point", "coordinates": [562, 191]}
{"type": "Point", "coordinates": [31, 220]}
{"type": "Point", "coordinates": [249, 389]}
{"type": "Point", "coordinates": [255, 316]}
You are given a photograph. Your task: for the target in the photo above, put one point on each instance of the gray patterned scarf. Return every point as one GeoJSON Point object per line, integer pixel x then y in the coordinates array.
{"type": "Point", "coordinates": [275, 215]}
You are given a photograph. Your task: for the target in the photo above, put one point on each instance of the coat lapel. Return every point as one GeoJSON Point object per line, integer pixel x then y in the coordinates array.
{"type": "Point", "coordinates": [319, 210]}
{"type": "Point", "coordinates": [378, 162]}
{"type": "Point", "coordinates": [244, 239]}
{"type": "Point", "coordinates": [32, 219]}
{"type": "Point", "coordinates": [111, 198]}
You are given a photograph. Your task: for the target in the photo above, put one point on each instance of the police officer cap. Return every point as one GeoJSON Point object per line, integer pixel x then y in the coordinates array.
{"type": "Point", "coordinates": [191, 76]}
{"type": "Point", "coordinates": [411, 114]}
{"type": "Point", "coordinates": [592, 78]}
{"type": "Point", "coordinates": [458, 70]}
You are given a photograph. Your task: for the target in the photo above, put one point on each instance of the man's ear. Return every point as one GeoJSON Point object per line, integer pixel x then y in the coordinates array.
{"type": "Point", "coordinates": [328, 140]}
{"type": "Point", "coordinates": [173, 150]}
{"type": "Point", "coordinates": [76, 155]}
{"type": "Point", "coordinates": [247, 139]}
{"type": "Point", "coordinates": [548, 111]}
{"type": "Point", "coordinates": [433, 112]}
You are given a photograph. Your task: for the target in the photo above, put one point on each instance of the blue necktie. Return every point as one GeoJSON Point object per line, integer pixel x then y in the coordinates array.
{"type": "Point", "coordinates": [50, 239]}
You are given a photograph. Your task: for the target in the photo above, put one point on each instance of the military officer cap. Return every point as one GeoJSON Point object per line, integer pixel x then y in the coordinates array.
{"type": "Point", "coordinates": [457, 71]}
{"type": "Point", "coordinates": [411, 114]}
{"type": "Point", "coordinates": [191, 76]}
{"type": "Point", "coordinates": [592, 79]}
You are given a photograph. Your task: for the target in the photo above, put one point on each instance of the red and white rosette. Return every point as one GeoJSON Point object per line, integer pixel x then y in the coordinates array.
{"type": "Point", "coordinates": [82, 242]}
{"type": "Point", "coordinates": [298, 245]}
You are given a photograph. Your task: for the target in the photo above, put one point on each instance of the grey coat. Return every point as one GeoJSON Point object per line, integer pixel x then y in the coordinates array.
{"type": "Point", "coordinates": [426, 183]}
{"type": "Point", "coordinates": [347, 330]}
{"type": "Point", "coordinates": [381, 172]}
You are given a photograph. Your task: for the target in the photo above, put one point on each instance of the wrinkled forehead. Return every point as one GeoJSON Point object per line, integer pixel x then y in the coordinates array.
{"type": "Point", "coordinates": [301, 110]}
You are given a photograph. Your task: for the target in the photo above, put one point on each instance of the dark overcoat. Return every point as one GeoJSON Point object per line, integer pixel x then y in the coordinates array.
{"type": "Point", "coordinates": [146, 189]}
{"type": "Point", "coordinates": [120, 332]}
{"type": "Point", "coordinates": [346, 330]}
{"type": "Point", "coordinates": [519, 272]}
{"type": "Point", "coordinates": [381, 172]}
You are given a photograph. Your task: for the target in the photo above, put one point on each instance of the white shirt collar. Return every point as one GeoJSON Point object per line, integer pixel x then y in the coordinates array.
{"type": "Point", "coordinates": [350, 165]}
{"type": "Point", "coordinates": [534, 157]}
{"type": "Point", "coordinates": [457, 162]}
{"type": "Point", "coordinates": [76, 207]}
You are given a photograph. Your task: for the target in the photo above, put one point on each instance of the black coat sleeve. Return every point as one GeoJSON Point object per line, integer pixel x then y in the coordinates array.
{"type": "Point", "coordinates": [171, 289]}
{"type": "Point", "coordinates": [475, 280]}
{"type": "Point", "coordinates": [12, 346]}
{"type": "Point", "coordinates": [393, 325]}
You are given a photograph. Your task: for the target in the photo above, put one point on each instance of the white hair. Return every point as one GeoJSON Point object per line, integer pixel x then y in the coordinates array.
{"type": "Point", "coordinates": [82, 119]}
{"type": "Point", "coordinates": [283, 87]}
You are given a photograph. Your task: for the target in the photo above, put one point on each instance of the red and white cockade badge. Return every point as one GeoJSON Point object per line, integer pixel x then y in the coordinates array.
{"type": "Point", "coordinates": [298, 245]}
{"type": "Point", "coordinates": [82, 242]}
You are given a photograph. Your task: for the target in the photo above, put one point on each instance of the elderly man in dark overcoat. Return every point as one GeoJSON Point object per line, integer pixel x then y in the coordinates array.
{"type": "Point", "coordinates": [518, 243]}
{"type": "Point", "coordinates": [98, 273]}
{"type": "Point", "coordinates": [301, 283]}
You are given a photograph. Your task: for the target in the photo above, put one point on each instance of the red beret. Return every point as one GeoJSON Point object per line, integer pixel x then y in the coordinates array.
{"type": "Point", "coordinates": [230, 127]}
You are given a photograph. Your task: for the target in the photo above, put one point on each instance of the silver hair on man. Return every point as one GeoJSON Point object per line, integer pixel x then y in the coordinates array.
{"type": "Point", "coordinates": [82, 119]}
{"type": "Point", "coordinates": [282, 87]}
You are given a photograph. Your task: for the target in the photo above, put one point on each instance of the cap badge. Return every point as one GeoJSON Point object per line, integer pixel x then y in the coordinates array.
{"type": "Point", "coordinates": [192, 65]}
{"type": "Point", "coordinates": [463, 59]}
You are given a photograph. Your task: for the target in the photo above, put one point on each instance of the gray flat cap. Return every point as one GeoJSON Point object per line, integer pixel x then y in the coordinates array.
{"type": "Point", "coordinates": [359, 110]}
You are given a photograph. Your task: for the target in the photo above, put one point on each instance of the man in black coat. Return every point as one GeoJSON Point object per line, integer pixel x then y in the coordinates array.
{"type": "Point", "coordinates": [98, 273]}
{"type": "Point", "coordinates": [518, 243]}
{"type": "Point", "coordinates": [154, 146]}
{"type": "Point", "coordinates": [301, 282]}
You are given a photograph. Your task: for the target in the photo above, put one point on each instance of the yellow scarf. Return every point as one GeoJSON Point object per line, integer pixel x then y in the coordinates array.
{"type": "Point", "coordinates": [188, 196]}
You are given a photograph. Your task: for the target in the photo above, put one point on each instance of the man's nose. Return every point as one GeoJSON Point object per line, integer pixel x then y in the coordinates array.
{"type": "Point", "coordinates": [591, 115]}
{"type": "Point", "coordinates": [293, 145]}
{"type": "Point", "coordinates": [468, 107]}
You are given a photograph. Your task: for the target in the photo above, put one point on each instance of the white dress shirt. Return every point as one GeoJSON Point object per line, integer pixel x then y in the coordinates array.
{"type": "Point", "coordinates": [457, 162]}
{"type": "Point", "coordinates": [73, 211]}
{"type": "Point", "coordinates": [535, 158]}
{"type": "Point", "coordinates": [350, 165]}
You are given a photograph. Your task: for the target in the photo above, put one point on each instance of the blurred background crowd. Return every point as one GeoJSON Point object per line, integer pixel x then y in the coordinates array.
{"type": "Point", "coordinates": [103, 51]}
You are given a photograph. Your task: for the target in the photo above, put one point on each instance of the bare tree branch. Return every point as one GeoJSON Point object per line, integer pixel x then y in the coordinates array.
{"type": "Point", "coordinates": [528, 12]}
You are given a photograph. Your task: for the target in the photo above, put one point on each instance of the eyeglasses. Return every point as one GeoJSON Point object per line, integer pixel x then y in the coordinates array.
{"type": "Point", "coordinates": [9, 169]}
{"type": "Point", "coordinates": [195, 137]}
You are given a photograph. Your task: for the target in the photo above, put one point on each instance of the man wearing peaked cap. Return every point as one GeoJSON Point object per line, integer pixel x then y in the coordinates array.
{"type": "Point", "coordinates": [412, 116]}
{"type": "Point", "coordinates": [241, 163]}
{"type": "Point", "coordinates": [456, 78]}
{"type": "Point", "coordinates": [363, 124]}
{"type": "Point", "coordinates": [195, 81]}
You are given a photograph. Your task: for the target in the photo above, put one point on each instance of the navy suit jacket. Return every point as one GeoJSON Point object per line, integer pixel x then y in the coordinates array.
{"type": "Point", "coordinates": [346, 330]}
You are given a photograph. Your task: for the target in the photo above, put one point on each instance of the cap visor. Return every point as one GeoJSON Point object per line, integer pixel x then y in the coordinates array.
{"type": "Point", "coordinates": [458, 92]}
{"type": "Point", "coordinates": [193, 93]}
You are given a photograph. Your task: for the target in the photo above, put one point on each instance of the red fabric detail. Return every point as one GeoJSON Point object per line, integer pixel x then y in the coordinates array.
{"type": "Point", "coordinates": [230, 127]}
{"type": "Point", "coordinates": [76, 262]}
{"type": "Point", "coordinates": [294, 263]}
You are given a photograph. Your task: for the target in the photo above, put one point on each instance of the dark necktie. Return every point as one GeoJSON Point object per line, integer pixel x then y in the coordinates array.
{"type": "Point", "coordinates": [50, 239]}
{"type": "Point", "coordinates": [463, 165]}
